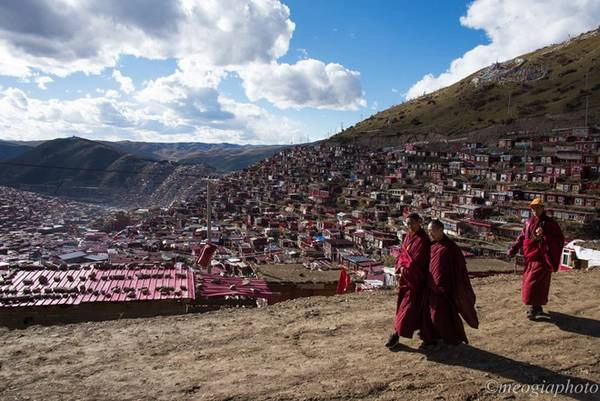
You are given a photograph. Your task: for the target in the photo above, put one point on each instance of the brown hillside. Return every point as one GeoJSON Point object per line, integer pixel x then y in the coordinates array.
{"type": "Point", "coordinates": [310, 349]}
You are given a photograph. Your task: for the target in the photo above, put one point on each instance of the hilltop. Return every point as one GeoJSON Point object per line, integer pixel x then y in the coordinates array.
{"type": "Point", "coordinates": [311, 349]}
{"type": "Point", "coordinates": [82, 168]}
{"type": "Point", "coordinates": [547, 89]}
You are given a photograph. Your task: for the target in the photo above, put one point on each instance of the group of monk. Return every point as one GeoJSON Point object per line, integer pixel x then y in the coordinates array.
{"type": "Point", "coordinates": [434, 290]}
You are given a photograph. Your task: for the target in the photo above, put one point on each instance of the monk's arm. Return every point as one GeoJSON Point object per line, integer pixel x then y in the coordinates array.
{"type": "Point", "coordinates": [518, 244]}
{"type": "Point", "coordinates": [554, 241]}
{"type": "Point", "coordinates": [418, 263]}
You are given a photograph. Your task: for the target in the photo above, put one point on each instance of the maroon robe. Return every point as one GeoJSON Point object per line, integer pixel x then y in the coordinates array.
{"type": "Point", "coordinates": [542, 257]}
{"type": "Point", "coordinates": [412, 264]}
{"type": "Point", "coordinates": [448, 295]}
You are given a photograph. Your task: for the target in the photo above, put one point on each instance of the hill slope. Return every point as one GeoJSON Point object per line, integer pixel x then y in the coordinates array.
{"type": "Point", "coordinates": [309, 349]}
{"type": "Point", "coordinates": [91, 170]}
{"type": "Point", "coordinates": [230, 159]}
{"type": "Point", "coordinates": [546, 88]}
{"type": "Point", "coordinates": [9, 150]}
{"type": "Point", "coordinates": [221, 156]}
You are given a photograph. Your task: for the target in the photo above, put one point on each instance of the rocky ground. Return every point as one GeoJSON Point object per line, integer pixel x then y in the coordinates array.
{"type": "Point", "coordinates": [313, 349]}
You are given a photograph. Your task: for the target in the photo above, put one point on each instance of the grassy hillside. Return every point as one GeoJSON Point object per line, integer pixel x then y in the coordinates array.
{"type": "Point", "coordinates": [82, 168]}
{"type": "Point", "coordinates": [549, 85]}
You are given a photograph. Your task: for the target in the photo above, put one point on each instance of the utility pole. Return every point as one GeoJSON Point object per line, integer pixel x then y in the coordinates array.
{"type": "Point", "coordinates": [208, 221]}
{"type": "Point", "coordinates": [525, 161]}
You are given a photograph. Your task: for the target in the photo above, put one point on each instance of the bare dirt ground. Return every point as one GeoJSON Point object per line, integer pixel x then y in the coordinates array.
{"type": "Point", "coordinates": [312, 349]}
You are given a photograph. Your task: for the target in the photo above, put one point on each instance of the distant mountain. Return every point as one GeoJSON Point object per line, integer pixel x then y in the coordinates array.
{"type": "Point", "coordinates": [222, 156]}
{"type": "Point", "coordinates": [543, 89]}
{"type": "Point", "coordinates": [81, 168]}
{"type": "Point", "coordinates": [9, 150]}
{"type": "Point", "coordinates": [232, 159]}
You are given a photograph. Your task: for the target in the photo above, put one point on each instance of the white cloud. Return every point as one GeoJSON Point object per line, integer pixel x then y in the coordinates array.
{"type": "Point", "coordinates": [62, 36]}
{"type": "Point", "coordinates": [42, 81]}
{"type": "Point", "coordinates": [190, 75]}
{"type": "Point", "coordinates": [513, 27]}
{"type": "Point", "coordinates": [308, 83]}
{"type": "Point", "coordinates": [258, 125]}
{"type": "Point", "coordinates": [209, 39]}
{"type": "Point", "coordinates": [111, 93]}
{"type": "Point", "coordinates": [200, 115]}
{"type": "Point", "coordinates": [126, 83]}
{"type": "Point", "coordinates": [302, 53]}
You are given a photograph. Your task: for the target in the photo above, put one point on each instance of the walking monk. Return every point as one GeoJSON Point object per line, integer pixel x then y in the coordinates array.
{"type": "Point", "coordinates": [448, 295]}
{"type": "Point", "coordinates": [411, 269]}
{"type": "Point", "coordinates": [542, 242]}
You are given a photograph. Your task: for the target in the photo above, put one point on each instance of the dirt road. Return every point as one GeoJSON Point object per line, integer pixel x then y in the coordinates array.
{"type": "Point", "coordinates": [312, 349]}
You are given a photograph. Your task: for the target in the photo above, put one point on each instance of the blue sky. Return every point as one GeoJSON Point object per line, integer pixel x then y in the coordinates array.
{"type": "Point", "coordinates": [248, 71]}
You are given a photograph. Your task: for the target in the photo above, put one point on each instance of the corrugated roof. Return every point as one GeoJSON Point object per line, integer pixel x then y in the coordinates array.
{"type": "Point", "coordinates": [71, 287]}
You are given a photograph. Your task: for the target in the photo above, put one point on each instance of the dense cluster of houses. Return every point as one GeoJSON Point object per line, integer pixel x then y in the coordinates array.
{"type": "Point", "coordinates": [346, 200]}
{"type": "Point", "coordinates": [309, 210]}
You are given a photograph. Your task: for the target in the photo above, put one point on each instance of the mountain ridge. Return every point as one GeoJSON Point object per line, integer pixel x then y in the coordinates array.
{"type": "Point", "coordinates": [223, 157]}
{"type": "Point", "coordinates": [78, 167]}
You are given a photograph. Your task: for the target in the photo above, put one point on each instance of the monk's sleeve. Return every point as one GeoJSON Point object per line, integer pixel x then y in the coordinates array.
{"type": "Point", "coordinates": [464, 296]}
{"type": "Point", "coordinates": [398, 264]}
{"type": "Point", "coordinates": [419, 261]}
{"type": "Point", "coordinates": [554, 241]}
{"type": "Point", "coordinates": [518, 244]}
{"type": "Point", "coordinates": [439, 268]}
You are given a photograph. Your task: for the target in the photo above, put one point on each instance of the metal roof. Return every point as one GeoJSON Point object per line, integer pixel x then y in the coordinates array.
{"type": "Point", "coordinates": [44, 287]}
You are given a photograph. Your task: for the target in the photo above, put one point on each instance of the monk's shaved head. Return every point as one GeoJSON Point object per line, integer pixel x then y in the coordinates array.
{"type": "Point", "coordinates": [436, 230]}
{"type": "Point", "coordinates": [413, 222]}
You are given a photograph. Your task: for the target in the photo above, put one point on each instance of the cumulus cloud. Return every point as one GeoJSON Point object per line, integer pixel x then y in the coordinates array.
{"type": "Point", "coordinates": [63, 36]}
{"type": "Point", "coordinates": [200, 115]}
{"type": "Point", "coordinates": [42, 81]}
{"type": "Point", "coordinates": [208, 39]}
{"type": "Point", "coordinates": [126, 83]}
{"type": "Point", "coordinates": [189, 76]}
{"type": "Point", "coordinates": [513, 27]}
{"type": "Point", "coordinates": [308, 83]}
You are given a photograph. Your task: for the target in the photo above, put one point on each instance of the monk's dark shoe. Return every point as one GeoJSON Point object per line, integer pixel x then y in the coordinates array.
{"type": "Point", "coordinates": [532, 312]}
{"type": "Point", "coordinates": [392, 341]}
{"type": "Point", "coordinates": [429, 346]}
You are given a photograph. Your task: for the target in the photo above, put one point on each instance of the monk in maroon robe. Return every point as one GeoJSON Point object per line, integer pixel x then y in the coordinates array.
{"type": "Point", "coordinates": [448, 294]}
{"type": "Point", "coordinates": [542, 242]}
{"type": "Point", "coordinates": [411, 268]}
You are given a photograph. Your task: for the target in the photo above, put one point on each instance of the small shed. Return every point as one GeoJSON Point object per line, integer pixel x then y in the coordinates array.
{"type": "Point", "coordinates": [291, 281]}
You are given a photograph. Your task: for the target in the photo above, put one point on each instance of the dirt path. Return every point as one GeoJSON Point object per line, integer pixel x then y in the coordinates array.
{"type": "Point", "coordinates": [309, 349]}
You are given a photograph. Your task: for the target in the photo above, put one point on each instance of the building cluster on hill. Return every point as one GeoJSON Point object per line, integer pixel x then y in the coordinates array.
{"type": "Point", "coordinates": [285, 225]}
